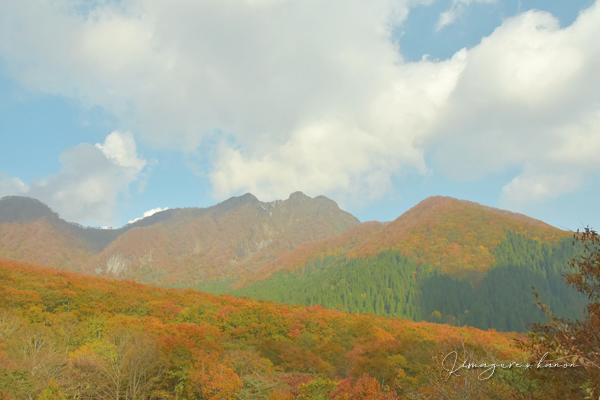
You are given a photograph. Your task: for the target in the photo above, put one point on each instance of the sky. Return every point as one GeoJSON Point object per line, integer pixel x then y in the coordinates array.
{"type": "Point", "coordinates": [111, 110]}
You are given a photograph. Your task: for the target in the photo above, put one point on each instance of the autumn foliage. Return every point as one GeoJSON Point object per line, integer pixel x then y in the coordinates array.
{"type": "Point", "coordinates": [74, 336]}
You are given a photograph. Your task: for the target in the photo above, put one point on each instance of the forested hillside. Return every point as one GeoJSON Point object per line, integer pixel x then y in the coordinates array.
{"type": "Point", "coordinates": [454, 236]}
{"type": "Point", "coordinates": [391, 284]}
{"type": "Point", "coordinates": [71, 336]}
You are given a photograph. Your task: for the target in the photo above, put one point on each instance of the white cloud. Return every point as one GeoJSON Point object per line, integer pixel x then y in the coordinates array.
{"type": "Point", "coordinates": [121, 149]}
{"type": "Point", "coordinates": [313, 95]}
{"type": "Point", "coordinates": [354, 154]}
{"type": "Point", "coordinates": [529, 97]}
{"type": "Point", "coordinates": [148, 213]}
{"type": "Point", "coordinates": [272, 74]}
{"type": "Point", "coordinates": [13, 186]}
{"type": "Point", "coordinates": [534, 186]}
{"type": "Point", "coordinates": [457, 8]}
{"type": "Point", "coordinates": [91, 179]}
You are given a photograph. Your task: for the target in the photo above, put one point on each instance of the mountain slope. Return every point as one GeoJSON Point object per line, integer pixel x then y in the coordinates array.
{"type": "Point", "coordinates": [25, 210]}
{"type": "Point", "coordinates": [303, 254]}
{"type": "Point", "coordinates": [30, 231]}
{"type": "Point", "coordinates": [89, 337]}
{"type": "Point", "coordinates": [174, 247]}
{"type": "Point", "coordinates": [454, 236]}
{"type": "Point", "coordinates": [227, 241]}
{"type": "Point", "coordinates": [443, 260]}
{"type": "Point", "coordinates": [391, 284]}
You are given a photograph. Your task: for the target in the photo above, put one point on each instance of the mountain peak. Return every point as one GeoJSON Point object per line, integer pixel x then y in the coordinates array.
{"type": "Point", "coordinates": [233, 203]}
{"type": "Point", "coordinates": [298, 197]}
{"type": "Point", "coordinates": [458, 235]}
{"type": "Point", "coordinates": [438, 203]}
{"type": "Point", "coordinates": [249, 197]}
{"type": "Point", "coordinates": [24, 209]}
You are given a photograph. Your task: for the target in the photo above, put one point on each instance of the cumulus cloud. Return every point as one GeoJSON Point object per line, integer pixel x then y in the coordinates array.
{"type": "Point", "coordinates": [91, 179]}
{"type": "Point", "coordinates": [314, 95]}
{"type": "Point", "coordinates": [349, 153]}
{"type": "Point", "coordinates": [275, 76]}
{"type": "Point", "coordinates": [529, 98]}
{"type": "Point", "coordinates": [120, 148]}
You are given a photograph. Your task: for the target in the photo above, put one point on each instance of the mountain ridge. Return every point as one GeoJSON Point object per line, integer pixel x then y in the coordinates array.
{"type": "Point", "coordinates": [428, 228]}
{"type": "Point", "coordinates": [244, 240]}
{"type": "Point", "coordinates": [243, 225]}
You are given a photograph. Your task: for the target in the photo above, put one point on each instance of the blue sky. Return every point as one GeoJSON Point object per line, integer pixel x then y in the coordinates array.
{"type": "Point", "coordinates": [111, 109]}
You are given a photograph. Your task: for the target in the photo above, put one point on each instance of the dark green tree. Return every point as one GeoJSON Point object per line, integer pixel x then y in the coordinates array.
{"type": "Point", "coordinates": [576, 343]}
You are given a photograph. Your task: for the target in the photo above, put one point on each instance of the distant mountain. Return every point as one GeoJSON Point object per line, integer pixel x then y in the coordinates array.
{"type": "Point", "coordinates": [25, 210]}
{"type": "Point", "coordinates": [30, 231]}
{"type": "Point", "coordinates": [174, 247]}
{"type": "Point", "coordinates": [443, 260]}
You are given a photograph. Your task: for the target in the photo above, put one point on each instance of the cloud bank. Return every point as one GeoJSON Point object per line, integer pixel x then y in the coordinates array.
{"type": "Point", "coordinates": [284, 95]}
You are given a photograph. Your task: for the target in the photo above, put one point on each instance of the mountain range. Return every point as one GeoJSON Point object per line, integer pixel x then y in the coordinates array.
{"type": "Point", "coordinates": [175, 246]}
{"type": "Point", "coordinates": [247, 247]}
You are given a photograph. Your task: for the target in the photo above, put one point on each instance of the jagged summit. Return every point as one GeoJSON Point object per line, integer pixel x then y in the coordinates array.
{"type": "Point", "coordinates": [22, 209]}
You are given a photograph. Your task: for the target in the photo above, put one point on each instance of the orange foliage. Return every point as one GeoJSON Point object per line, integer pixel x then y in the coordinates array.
{"type": "Point", "coordinates": [363, 388]}
{"type": "Point", "coordinates": [39, 242]}
{"type": "Point", "coordinates": [213, 379]}
{"type": "Point", "coordinates": [223, 242]}
{"type": "Point", "coordinates": [210, 343]}
{"type": "Point", "coordinates": [299, 256]}
{"type": "Point", "coordinates": [456, 236]}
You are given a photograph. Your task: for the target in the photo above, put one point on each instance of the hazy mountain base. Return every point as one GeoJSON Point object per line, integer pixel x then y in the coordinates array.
{"type": "Point", "coordinates": [393, 285]}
